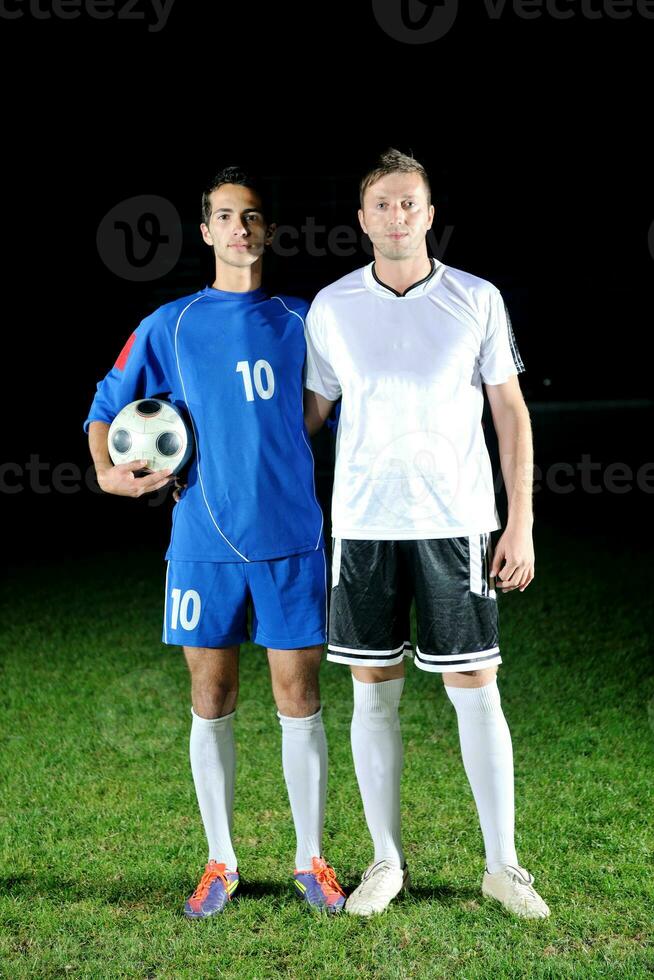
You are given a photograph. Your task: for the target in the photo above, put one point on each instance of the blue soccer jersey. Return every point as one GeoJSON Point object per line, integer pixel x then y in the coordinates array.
{"type": "Point", "coordinates": [234, 362]}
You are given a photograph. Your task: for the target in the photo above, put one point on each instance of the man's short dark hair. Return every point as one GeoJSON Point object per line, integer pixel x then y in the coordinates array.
{"type": "Point", "coordinates": [393, 161]}
{"type": "Point", "coordinates": [232, 175]}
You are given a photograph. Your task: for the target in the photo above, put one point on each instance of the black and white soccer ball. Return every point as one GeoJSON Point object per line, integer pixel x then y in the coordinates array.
{"type": "Point", "coordinates": [153, 430]}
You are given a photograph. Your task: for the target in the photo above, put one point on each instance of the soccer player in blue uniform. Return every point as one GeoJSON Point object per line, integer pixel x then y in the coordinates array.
{"type": "Point", "coordinates": [247, 529]}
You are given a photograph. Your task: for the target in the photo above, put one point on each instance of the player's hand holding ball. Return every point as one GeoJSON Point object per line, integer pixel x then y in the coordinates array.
{"type": "Point", "coordinates": [125, 479]}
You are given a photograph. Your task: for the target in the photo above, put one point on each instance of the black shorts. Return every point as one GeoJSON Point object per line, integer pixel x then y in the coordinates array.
{"type": "Point", "coordinates": [374, 583]}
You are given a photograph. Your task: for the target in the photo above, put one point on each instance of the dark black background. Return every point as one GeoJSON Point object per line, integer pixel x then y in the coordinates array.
{"type": "Point", "coordinates": [535, 134]}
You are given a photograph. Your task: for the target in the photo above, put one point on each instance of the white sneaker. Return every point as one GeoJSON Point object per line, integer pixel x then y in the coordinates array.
{"type": "Point", "coordinates": [512, 887]}
{"type": "Point", "coordinates": [380, 883]}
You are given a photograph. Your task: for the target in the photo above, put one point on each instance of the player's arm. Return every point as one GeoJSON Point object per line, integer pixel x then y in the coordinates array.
{"type": "Point", "coordinates": [317, 409]}
{"type": "Point", "coordinates": [514, 554]}
{"type": "Point", "coordinates": [121, 479]}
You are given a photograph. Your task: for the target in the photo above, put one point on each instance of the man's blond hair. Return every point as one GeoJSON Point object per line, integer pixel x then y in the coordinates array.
{"type": "Point", "coordinates": [393, 161]}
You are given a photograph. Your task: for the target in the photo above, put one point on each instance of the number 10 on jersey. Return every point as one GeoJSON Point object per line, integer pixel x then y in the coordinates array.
{"type": "Point", "coordinates": [261, 371]}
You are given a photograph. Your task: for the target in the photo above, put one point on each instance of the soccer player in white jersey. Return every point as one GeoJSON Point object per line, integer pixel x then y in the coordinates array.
{"type": "Point", "coordinates": [408, 343]}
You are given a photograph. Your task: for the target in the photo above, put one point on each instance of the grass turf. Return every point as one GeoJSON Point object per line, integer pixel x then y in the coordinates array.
{"type": "Point", "coordinates": [102, 839]}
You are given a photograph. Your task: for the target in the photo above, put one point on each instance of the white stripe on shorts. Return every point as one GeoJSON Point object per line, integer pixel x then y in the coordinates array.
{"type": "Point", "coordinates": [475, 548]}
{"type": "Point", "coordinates": [458, 661]}
{"type": "Point", "coordinates": [367, 658]}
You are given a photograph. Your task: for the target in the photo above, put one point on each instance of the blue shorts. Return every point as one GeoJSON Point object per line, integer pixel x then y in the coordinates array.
{"type": "Point", "coordinates": [207, 602]}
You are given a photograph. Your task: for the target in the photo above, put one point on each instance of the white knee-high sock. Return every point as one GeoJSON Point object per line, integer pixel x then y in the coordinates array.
{"type": "Point", "coordinates": [378, 756]}
{"type": "Point", "coordinates": [213, 764]}
{"type": "Point", "coordinates": [488, 760]}
{"type": "Point", "coordinates": [304, 760]}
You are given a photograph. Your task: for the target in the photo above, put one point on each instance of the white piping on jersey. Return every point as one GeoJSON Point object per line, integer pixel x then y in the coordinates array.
{"type": "Point", "coordinates": [313, 462]}
{"type": "Point", "coordinates": [166, 605]}
{"type": "Point", "coordinates": [204, 496]}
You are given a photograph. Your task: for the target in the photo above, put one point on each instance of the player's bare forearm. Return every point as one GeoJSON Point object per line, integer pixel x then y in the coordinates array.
{"type": "Point", "coordinates": [513, 561]}
{"type": "Point", "coordinates": [316, 411]}
{"type": "Point", "coordinates": [121, 479]}
{"type": "Point", "coordinates": [98, 432]}
{"type": "Point", "coordinates": [513, 427]}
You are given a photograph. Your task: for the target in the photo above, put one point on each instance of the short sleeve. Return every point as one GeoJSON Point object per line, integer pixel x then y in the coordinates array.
{"type": "Point", "coordinates": [499, 357]}
{"type": "Point", "coordinates": [319, 374]}
{"type": "Point", "coordinates": [137, 373]}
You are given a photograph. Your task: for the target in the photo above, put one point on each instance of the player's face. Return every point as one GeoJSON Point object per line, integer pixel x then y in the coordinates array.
{"type": "Point", "coordinates": [237, 229]}
{"type": "Point", "coordinates": [396, 216]}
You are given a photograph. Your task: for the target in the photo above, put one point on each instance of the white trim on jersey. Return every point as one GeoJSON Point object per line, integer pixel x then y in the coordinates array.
{"type": "Point", "coordinates": [166, 605]}
{"type": "Point", "coordinates": [313, 462]}
{"type": "Point", "coordinates": [195, 435]}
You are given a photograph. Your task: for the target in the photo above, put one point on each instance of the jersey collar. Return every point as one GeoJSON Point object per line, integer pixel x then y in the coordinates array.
{"type": "Point", "coordinates": [416, 289]}
{"type": "Point", "coordinates": [251, 296]}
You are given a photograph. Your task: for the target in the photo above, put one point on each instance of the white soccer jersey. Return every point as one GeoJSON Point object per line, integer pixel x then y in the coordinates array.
{"type": "Point", "coordinates": [411, 459]}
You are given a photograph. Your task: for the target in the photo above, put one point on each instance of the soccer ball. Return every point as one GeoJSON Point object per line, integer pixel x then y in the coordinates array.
{"type": "Point", "coordinates": [153, 430]}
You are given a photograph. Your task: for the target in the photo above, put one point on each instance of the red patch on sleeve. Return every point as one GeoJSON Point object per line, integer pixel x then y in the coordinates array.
{"type": "Point", "coordinates": [124, 354]}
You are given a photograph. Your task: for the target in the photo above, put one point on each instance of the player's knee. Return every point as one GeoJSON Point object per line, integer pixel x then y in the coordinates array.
{"type": "Point", "coordinates": [375, 675]}
{"type": "Point", "coordinates": [470, 678]}
{"type": "Point", "coordinates": [297, 698]}
{"type": "Point", "coordinates": [214, 700]}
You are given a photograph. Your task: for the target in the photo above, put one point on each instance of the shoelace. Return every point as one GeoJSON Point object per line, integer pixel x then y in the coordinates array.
{"type": "Point", "coordinates": [326, 876]}
{"type": "Point", "coordinates": [526, 886]}
{"type": "Point", "coordinates": [380, 875]}
{"type": "Point", "coordinates": [212, 871]}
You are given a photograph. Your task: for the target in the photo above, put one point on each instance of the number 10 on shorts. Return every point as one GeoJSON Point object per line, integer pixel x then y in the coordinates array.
{"type": "Point", "coordinates": [186, 608]}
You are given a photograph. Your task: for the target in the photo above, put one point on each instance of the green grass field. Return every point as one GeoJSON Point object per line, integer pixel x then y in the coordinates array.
{"type": "Point", "coordinates": [102, 840]}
